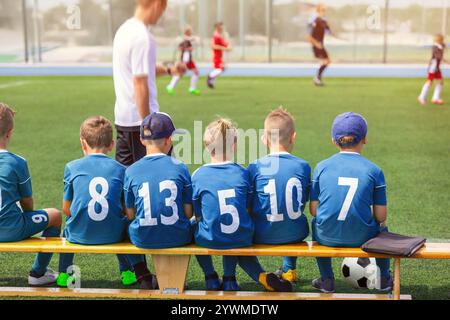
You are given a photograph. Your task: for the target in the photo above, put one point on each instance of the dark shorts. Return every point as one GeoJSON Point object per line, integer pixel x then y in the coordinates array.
{"type": "Point", "coordinates": [129, 148]}
{"type": "Point", "coordinates": [320, 53]}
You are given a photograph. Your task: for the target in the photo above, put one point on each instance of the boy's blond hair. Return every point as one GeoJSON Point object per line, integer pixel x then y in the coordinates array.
{"type": "Point", "coordinates": [279, 127]}
{"type": "Point", "coordinates": [220, 137]}
{"type": "Point", "coordinates": [97, 132]}
{"type": "Point", "coordinates": [6, 119]}
{"type": "Point", "coordinates": [146, 3]}
{"type": "Point", "coordinates": [439, 38]}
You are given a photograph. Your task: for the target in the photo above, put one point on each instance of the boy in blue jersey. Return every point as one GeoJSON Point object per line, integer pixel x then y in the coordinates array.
{"type": "Point", "coordinates": [281, 184]}
{"type": "Point", "coordinates": [348, 199]}
{"type": "Point", "coordinates": [222, 195]}
{"type": "Point", "coordinates": [19, 222]}
{"type": "Point", "coordinates": [158, 195]}
{"type": "Point", "coordinates": [93, 190]}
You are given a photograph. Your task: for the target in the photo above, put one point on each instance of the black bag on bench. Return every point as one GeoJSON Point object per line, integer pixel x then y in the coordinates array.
{"type": "Point", "coordinates": [394, 244]}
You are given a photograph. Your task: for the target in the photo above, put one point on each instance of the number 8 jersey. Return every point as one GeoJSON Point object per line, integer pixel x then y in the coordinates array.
{"type": "Point", "coordinates": [221, 195]}
{"type": "Point", "coordinates": [158, 187]}
{"type": "Point", "coordinates": [94, 185]}
{"type": "Point", "coordinates": [347, 185]}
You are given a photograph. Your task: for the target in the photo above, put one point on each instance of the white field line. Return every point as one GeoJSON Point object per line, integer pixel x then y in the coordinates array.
{"type": "Point", "coordinates": [13, 84]}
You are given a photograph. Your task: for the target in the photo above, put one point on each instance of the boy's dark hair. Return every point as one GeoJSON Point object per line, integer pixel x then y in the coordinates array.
{"type": "Point", "coordinates": [6, 119]}
{"type": "Point", "coordinates": [218, 24]}
{"type": "Point", "coordinates": [98, 132]}
{"type": "Point", "coordinates": [347, 141]}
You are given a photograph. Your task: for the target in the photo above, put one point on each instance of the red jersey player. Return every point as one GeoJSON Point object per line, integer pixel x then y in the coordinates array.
{"type": "Point", "coordinates": [186, 47]}
{"type": "Point", "coordinates": [434, 72]}
{"type": "Point", "coordinates": [219, 45]}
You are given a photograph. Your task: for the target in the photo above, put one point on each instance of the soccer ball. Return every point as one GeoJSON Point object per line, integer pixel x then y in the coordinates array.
{"type": "Point", "coordinates": [361, 273]}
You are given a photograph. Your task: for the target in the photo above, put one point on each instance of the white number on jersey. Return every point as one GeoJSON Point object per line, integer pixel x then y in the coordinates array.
{"type": "Point", "coordinates": [144, 193]}
{"type": "Point", "coordinates": [39, 218]}
{"type": "Point", "coordinates": [270, 189]}
{"type": "Point", "coordinates": [99, 198]}
{"type": "Point", "coordinates": [353, 184]}
{"type": "Point", "coordinates": [228, 209]}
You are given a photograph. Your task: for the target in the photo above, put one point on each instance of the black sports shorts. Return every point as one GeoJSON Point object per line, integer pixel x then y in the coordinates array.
{"type": "Point", "coordinates": [320, 53]}
{"type": "Point", "coordinates": [129, 148]}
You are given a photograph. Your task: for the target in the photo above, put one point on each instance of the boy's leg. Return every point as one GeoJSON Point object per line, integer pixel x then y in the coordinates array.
{"type": "Point", "coordinates": [194, 81]}
{"type": "Point", "coordinates": [211, 277]}
{"type": "Point", "coordinates": [64, 278]}
{"type": "Point", "coordinates": [229, 273]}
{"type": "Point", "coordinates": [289, 272]}
{"type": "Point", "coordinates": [173, 83]}
{"type": "Point", "coordinates": [437, 92]}
{"type": "Point", "coordinates": [424, 92]}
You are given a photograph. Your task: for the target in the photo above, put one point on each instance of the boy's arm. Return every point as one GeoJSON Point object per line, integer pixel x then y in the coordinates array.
{"type": "Point", "coordinates": [130, 213]}
{"type": "Point", "coordinates": [188, 210]}
{"type": "Point", "coordinates": [380, 214]}
{"type": "Point", "coordinates": [66, 207]}
{"type": "Point", "coordinates": [27, 204]}
{"type": "Point", "coordinates": [313, 207]}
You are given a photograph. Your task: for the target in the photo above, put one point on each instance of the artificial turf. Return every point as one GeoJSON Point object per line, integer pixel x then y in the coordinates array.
{"type": "Point", "coordinates": [409, 142]}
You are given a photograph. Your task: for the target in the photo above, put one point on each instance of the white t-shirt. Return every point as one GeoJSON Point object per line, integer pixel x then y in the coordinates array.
{"type": "Point", "coordinates": [134, 54]}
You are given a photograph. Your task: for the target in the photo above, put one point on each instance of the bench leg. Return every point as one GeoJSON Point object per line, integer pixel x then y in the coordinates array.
{"type": "Point", "coordinates": [171, 272]}
{"type": "Point", "coordinates": [397, 279]}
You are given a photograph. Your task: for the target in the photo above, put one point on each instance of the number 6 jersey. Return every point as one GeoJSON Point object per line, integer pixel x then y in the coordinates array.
{"type": "Point", "coordinates": [94, 185]}
{"type": "Point", "coordinates": [158, 187]}
{"type": "Point", "coordinates": [221, 194]}
{"type": "Point", "coordinates": [347, 185]}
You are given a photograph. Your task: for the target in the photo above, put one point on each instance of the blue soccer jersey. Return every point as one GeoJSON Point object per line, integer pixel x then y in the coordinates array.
{"type": "Point", "coordinates": [281, 184]}
{"type": "Point", "coordinates": [94, 185]}
{"type": "Point", "coordinates": [347, 185]}
{"type": "Point", "coordinates": [15, 184]}
{"type": "Point", "coordinates": [221, 194]}
{"type": "Point", "coordinates": [158, 187]}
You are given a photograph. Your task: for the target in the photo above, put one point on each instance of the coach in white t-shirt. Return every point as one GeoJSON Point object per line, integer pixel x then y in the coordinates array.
{"type": "Point", "coordinates": [135, 71]}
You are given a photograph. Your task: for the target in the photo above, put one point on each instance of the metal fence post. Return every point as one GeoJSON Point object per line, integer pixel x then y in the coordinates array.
{"type": "Point", "coordinates": [25, 30]}
{"type": "Point", "coordinates": [269, 23]}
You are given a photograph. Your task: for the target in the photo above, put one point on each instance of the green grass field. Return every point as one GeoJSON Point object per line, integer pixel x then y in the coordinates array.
{"type": "Point", "coordinates": [411, 143]}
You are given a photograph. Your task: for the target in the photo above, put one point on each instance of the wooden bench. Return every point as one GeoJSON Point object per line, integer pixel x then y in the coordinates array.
{"type": "Point", "coordinates": [171, 267]}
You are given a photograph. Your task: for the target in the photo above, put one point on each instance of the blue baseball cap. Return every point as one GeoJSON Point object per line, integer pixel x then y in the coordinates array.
{"type": "Point", "coordinates": [349, 124]}
{"type": "Point", "coordinates": [158, 125]}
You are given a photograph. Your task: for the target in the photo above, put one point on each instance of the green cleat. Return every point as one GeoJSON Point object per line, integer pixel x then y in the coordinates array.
{"type": "Point", "coordinates": [170, 91]}
{"type": "Point", "coordinates": [128, 278]}
{"type": "Point", "coordinates": [195, 92]}
{"type": "Point", "coordinates": [64, 279]}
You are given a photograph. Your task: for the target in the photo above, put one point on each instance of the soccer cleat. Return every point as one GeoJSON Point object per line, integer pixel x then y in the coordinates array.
{"type": "Point", "coordinates": [128, 278]}
{"type": "Point", "coordinates": [386, 284]}
{"type": "Point", "coordinates": [64, 279]}
{"type": "Point", "coordinates": [421, 101]}
{"type": "Point", "coordinates": [324, 285]}
{"type": "Point", "coordinates": [290, 275]}
{"type": "Point", "coordinates": [213, 282]}
{"type": "Point", "coordinates": [48, 278]}
{"type": "Point", "coordinates": [170, 91]}
{"type": "Point", "coordinates": [273, 283]}
{"type": "Point", "coordinates": [438, 102]}
{"type": "Point", "coordinates": [318, 82]}
{"type": "Point", "coordinates": [194, 92]}
{"type": "Point", "coordinates": [210, 82]}
{"type": "Point", "coordinates": [230, 284]}
{"type": "Point", "coordinates": [149, 282]}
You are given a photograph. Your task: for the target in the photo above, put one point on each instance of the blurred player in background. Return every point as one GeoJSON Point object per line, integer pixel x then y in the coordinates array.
{"type": "Point", "coordinates": [219, 45]}
{"type": "Point", "coordinates": [317, 28]}
{"type": "Point", "coordinates": [186, 47]}
{"type": "Point", "coordinates": [434, 72]}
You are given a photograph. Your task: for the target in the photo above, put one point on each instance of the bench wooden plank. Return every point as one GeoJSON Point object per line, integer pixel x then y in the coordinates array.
{"type": "Point", "coordinates": [187, 295]}
{"type": "Point", "coordinates": [306, 249]}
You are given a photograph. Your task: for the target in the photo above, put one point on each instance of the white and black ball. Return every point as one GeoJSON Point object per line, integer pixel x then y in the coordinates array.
{"type": "Point", "coordinates": [361, 273]}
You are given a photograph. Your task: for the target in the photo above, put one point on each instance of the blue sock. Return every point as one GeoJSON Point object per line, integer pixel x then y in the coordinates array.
{"type": "Point", "coordinates": [65, 261]}
{"type": "Point", "coordinates": [325, 268]}
{"type": "Point", "coordinates": [229, 266]}
{"type": "Point", "coordinates": [206, 264]}
{"type": "Point", "coordinates": [251, 266]}
{"type": "Point", "coordinates": [385, 266]}
{"type": "Point", "coordinates": [128, 261]}
{"type": "Point", "coordinates": [43, 259]}
{"type": "Point", "coordinates": [289, 263]}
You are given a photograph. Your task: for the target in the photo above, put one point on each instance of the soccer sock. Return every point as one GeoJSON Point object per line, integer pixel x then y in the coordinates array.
{"type": "Point", "coordinates": [173, 83]}
{"type": "Point", "coordinates": [215, 73]}
{"type": "Point", "coordinates": [325, 268]}
{"type": "Point", "coordinates": [289, 263]}
{"type": "Point", "coordinates": [384, 265]}
{"type": "Point", "coordinates": [194, 80]}
{"type": "Point", "coordinates": [142, 272]}
{"type": "Point", "coordinates": [251, 266]}
{"type": "Point", "coordinates": [229, 266]}
{"type": "Point", "coordinates": [321, 70]}
{"type": "Point", "coordinates": [425, 88]}
{"type": "Point", "coordinates": [43, 259]}
{"type": "Point", "coordinates": [206, 264]}
{"type": "Point", "coordinates": [437, 91]}
{"type": "Point", "coordinates": [65, 261]}
{"type": "Point", "coordinates": [127, 261]}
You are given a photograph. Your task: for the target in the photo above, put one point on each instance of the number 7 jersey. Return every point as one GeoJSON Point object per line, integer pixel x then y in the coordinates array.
{"type": "Point", "coordinates": [347, 185]}
{"type": "Point", "coordinates": [158, 187]}
{"type": "Point", "coordinates": [94, 185]}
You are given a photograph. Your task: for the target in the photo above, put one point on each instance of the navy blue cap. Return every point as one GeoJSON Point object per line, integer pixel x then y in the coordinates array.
{"type": "Point", "coordinates": [349, 124]}
{"type": "Point", "coordinates": [158, 125]}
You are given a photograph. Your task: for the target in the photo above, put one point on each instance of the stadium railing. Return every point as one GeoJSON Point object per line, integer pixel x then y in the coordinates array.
{"type": "Point", "coordinates": [171, 266]}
